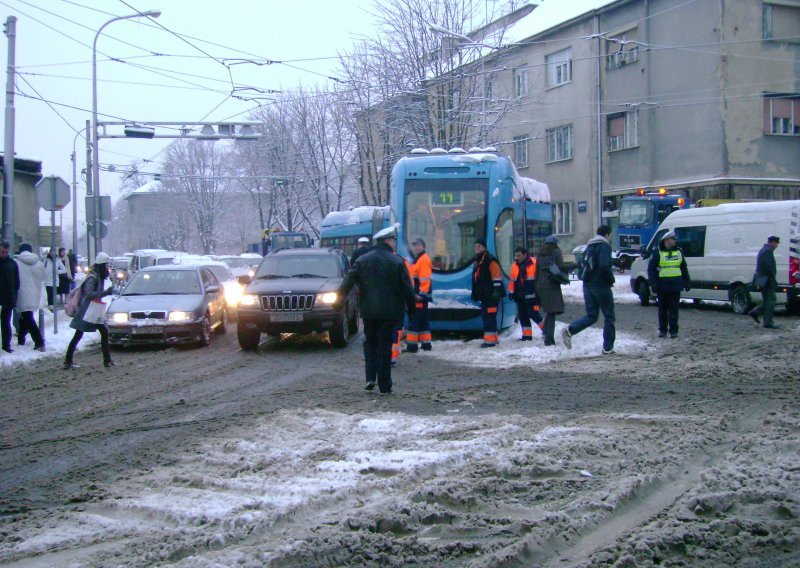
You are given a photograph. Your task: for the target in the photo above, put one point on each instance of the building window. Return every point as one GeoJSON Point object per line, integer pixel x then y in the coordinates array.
{"type": "Point", "coordinates": [562, 217]}
{"type": "Point", "coordinates": [622, 49]}
{"type": "Point", "coordinates": [520, 82]}
{"type": "Point", "coordinates": [623, 130]}
{"type": "Point", "coordinates": [559, 143]}
{"type": "Point", "coordinates": [782, 115]}
{"type": "Point", "coordinates": [521, 151]}
{"type": "Point", "coordinates": [559, 68]}
{"type": "Point", "coordinates": [781, 20]}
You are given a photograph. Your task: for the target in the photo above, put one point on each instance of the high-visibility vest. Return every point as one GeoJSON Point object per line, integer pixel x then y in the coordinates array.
{"type": "Point", "coordinates": [421, 273]}
{"type": "Point", "coordinates": [669, 263]}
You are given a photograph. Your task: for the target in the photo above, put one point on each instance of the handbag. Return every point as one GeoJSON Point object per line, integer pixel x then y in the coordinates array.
{"type": "Point", "coordinates": [556, 275]}
{"type": "Point", "coordinates": [96, 312]}
{"type": "Point", "coordinates": [760, 281]}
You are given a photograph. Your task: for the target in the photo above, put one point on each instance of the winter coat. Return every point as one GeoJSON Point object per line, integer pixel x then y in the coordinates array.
{"type": "Point", "coordinates": [91, 289]}
{"type": "Point", "coordinates": [359, 252]}
{"type": "Point", "coordinates": [9, 282]}
{"type": "Point", "coordinates": [551, 300]}
{"type": "Point", "coordinates": [31, 280]}
{"type": "Point", "coordinates": [384, 285]}
{"type": "Point", "coordinates": [48, 266]}
{"type": "Point", "coordinates": [598, 256]}
{"type": "Point", "coordinates": [765, 265]}
{"type": "Point", "coordinates": [487, 279]}
{"type": "Point", "coordinates": [661, 284]}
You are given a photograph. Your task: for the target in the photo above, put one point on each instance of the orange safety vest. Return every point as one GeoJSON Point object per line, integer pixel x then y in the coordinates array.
{"type": "Point", "coordinates": [421, 273]}
{"type": "Point", "coordinates": [530, 273]}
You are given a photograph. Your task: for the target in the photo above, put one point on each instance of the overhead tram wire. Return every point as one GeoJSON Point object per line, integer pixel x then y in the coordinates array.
{"type": "Point", "coordinates": [61, 116]}
{"type": "Point", "coordinates": [140, 84]}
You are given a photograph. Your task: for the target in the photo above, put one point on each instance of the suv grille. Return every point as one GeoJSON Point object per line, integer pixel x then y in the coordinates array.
{"type": "Point", "coordinates": [288, 302]}
{"type": "Point", "coordinates": [148, 315]}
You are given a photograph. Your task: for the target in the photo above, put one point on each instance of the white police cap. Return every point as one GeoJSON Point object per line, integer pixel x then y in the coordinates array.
{"type": "Point", "coordinates": [668, 235]}
{"type": "Point", "coordinates": [387, 233]}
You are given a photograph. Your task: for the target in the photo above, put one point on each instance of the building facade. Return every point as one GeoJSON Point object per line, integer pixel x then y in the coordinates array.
{"type": "Point", "coordinates": [27, 173]}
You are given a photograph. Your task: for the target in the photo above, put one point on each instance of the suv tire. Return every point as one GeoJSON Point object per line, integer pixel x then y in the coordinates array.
{"type": "Point", "coordinates": [340, 333]}
{"type": "Point", "coordinates": [248, 338]}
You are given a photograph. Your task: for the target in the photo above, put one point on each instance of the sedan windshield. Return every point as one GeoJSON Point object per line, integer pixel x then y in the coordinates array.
{"type": "Point", "coordinates": [306, 266]}
{"type": "Point", "coordinates": [163, 282]}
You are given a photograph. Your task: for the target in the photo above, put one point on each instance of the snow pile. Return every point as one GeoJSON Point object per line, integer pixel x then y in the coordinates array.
{"type": "Point", "coordinates": [55, 343]}
{"type": "Point", "coordinates": [573, 292]}
{"type": "Point", "coordinates": [532, 190]}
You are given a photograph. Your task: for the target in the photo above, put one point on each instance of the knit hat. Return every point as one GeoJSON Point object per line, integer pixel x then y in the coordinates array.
{"type": "Point", "coordinates": [481, 242]}
{"type": "Point", "coordinates": [551, 240]}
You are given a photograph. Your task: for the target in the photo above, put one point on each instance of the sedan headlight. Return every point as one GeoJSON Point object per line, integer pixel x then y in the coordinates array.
{"type": "Point", "coordinates": [248, 300]}
{"type": "Point", "coordinates": [179, 316]}
{"type": "Point", "coordinates": [327, 298]}
{"type": "Point", "coordinates": [118, 317]}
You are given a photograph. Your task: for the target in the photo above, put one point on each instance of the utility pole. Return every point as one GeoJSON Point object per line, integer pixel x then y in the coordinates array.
{"type": "Point", "coordinates": [89, 187]}
{"type": "Point", "coordinates": [8, 154]}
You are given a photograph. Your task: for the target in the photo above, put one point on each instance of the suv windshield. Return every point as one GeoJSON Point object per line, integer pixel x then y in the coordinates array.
{"type": "Point", "coordinates": [163, 282]}
{"type": "Point", "coordinates": [300, 266]}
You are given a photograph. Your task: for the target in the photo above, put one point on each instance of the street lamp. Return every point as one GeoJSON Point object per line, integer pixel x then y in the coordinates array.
{"type": "Point", "coordinates": [98, 240]}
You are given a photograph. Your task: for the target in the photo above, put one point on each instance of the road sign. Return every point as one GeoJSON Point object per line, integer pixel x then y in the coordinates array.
{"type": "Point", "coordinates": [52, 193]}
{"type": "Point", "coordinates": [102, 227]}
{"type": "Point", "coordinates": [105, 208]}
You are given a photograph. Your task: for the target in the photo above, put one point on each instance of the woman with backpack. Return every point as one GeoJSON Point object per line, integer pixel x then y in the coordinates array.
{"type": "Point", "coordinates": [91, 289]}
{"type": "Point", "coordinates": [548, 286]}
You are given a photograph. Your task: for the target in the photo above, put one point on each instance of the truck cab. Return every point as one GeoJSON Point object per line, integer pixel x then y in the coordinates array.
{"type": "Point", "coordinates": [639, 218]}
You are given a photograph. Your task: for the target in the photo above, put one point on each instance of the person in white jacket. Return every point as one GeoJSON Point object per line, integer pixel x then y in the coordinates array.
{"type": "Point", "coordinates": [61, 269]}
{"type": "Point", "coordinates": [32, 275]}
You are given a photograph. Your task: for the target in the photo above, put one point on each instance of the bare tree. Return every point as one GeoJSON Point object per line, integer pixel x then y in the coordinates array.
{"type": "Point", "coordinates": [198, 171]}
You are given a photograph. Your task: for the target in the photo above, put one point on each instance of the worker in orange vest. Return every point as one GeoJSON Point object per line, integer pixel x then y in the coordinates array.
{"type": "Point", "coordinates": [419, 329]}
{"type": "Point", "coordinates": [398, 332]}
{"type": "Point", "coordinates": [521, 290]}
{"type": "Point", "coordinates": [488, 290]}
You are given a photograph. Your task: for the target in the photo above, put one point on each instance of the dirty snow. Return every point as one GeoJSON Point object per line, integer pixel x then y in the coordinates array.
{"type": "Point", "coordinates": [55, 343]}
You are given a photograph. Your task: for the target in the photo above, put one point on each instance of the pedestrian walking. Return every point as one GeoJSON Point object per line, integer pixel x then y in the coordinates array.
{"type": "Point", "coordinates": [548, 288]}
{"type": "Point", "coordinates": [668, 276]}
{"type": "Point", "coordinates": [767, 273]}
{"type": "Point", "coordinates": [598, 280]}
{"type": "Point", "coordinates": [522, 291]}
{"type": "Point", "coordinates": [487, 289]}
{"type": "Point", "coordinates": [64, 278]}
{"type": "Point", "coordinates": [9, 289]}
{"type": "Point", "coordinates": [384, 294]}
{"type": "Point", "coordinates": [53, 287]}
{"type": "Point", "coordinates": [32, 275]}
{"type": "Point", "coordinates": [419, 328]}
{"type": "Point", "coordinates": [73, 267]}
{"type": "Point", "coordinates": [91, 289]}
{"type": "Point", "coordinates": [363, 248]}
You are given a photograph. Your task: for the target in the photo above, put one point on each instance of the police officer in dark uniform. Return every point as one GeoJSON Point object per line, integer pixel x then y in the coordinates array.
{"type": "Point", "coordinates": [668, 275]}
{"type": "Point", "coordinates": [384, 293]}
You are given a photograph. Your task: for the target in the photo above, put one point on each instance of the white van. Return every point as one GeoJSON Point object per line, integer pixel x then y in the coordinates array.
{"type": "Point", "coordinates": [720, 245]}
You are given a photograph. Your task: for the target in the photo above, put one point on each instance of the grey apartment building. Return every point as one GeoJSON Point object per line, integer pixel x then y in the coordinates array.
{"type": "Point", "coordinates": [701, 97]}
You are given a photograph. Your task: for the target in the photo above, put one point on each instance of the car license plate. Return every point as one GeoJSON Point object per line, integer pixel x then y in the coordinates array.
{"type": "Point", "coordinates": [146, 330]}
{"type": "Point", "coordinates": [285, 317]}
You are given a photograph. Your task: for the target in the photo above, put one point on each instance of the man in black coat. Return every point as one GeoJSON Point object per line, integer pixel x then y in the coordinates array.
{"type": "Point", "coordinates": [765, 267]}
{"type": "Point", "coordinates": [9, 288]}
{"type": "Point", "coordinates": [363, 248]}
{"type": "Point", "coordinates": [384, 294]}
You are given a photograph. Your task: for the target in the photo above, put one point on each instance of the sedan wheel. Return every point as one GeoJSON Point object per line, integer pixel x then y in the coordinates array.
{"type": "Point", "coordinates": [205, 332]}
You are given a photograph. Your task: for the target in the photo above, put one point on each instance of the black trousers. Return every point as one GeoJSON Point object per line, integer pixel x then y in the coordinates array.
{"type": "Point", "coordinates": [549, 329]}
{"type": "Point", "coordinates": [378, 337]}
{"type": "Point", "coordinates": [73, 345]}
{"type": "Point", "coordinates": [668, 303]}
{"type": "Point", "coordinates": [5, 324]}
{"type": "Point", "coordinates": [27, 324]}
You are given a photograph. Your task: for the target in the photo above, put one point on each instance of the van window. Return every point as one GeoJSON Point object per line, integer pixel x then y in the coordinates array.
{"type": "Point", "coordinates": [691, 240]}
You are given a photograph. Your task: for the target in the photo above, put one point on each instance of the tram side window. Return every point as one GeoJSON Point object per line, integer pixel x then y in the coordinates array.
{"type": "Point", "coordinates": [504, 239]}
{"type": "Point", "coordinates": [691, 240]}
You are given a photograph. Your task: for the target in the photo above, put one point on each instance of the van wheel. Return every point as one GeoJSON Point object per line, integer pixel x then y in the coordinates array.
{"type": "Point", "coordinates": [741, 302]}
{"type": "Point", "coordinates": [340, 334]}
{"type": "Point", "coordinates": [643, 290]}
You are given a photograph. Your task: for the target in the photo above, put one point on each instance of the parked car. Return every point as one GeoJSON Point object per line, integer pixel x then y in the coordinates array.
{"type": "Point", "coordinates": [293, 291]}
{"type": "Point", "coordinates": [168, 305]}
{"type": "Point", "coordinates": [720, 245]}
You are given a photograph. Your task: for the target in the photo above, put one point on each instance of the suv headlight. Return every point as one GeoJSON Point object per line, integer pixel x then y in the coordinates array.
{"type": "Point", "coordinates": [118, 317]}
{"type": "Point", "coordinates": [178, 316]}
{"type": "Point", "coordinates": [327, 298]}
{"type": "Point", "coordinates": [248, 300]}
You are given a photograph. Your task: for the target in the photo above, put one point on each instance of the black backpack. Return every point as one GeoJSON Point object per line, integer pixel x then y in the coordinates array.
{"type": "Point", "coordinates": [587, 265]}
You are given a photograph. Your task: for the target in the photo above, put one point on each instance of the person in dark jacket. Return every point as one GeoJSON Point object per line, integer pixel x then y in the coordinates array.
{"type": "Point", "coordinates": [668, 275]}
{"type": "Point", "coordinates": [363, 248]}
{"type": "Point", "coordinates": [384, 294]}
{"type": "Point", "coordinates": [73, 267]}
{"type": "Point", "coordinates": [91, 289]}
{"type": "Point", "coordinates": [598, 279]}
{"type": "Point", "coordinates": [548, 290]}
{"type": "Point", "coordinates": [765, 266]}
{"type": "Point", "coordinates": [9, 288]}
{"type": "Point", "coordinates": [487, 289]}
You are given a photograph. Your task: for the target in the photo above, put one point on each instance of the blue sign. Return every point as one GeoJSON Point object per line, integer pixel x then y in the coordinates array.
{"type": "Point", "coordinates": [582, 207]}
